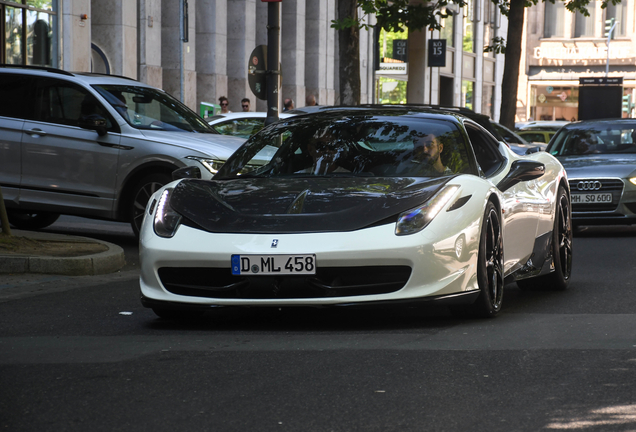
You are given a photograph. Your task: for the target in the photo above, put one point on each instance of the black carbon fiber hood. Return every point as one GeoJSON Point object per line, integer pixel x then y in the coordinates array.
{"type": "Point", "coordinates": [298, 205]}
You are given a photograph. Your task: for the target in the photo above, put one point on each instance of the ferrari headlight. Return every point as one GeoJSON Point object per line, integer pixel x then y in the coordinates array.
{"type": "Point", "coordinates": [212, 165]}
{"type": "Point", "coordinates": [415, 220]}
{"type": "Point", "coordinates": [166, 219]}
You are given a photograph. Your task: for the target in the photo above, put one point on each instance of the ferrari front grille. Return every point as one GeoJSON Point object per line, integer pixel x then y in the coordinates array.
{"type": "Point", "coordinates": [327, 282]}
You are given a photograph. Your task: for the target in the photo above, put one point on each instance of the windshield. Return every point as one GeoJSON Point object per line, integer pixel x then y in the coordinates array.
{"type": "Point", "coordinates": [149, 108]}
{"type": "Point", "coordinates": [341, 144]}
{"type": "Point", "coordinates": [595, 138]}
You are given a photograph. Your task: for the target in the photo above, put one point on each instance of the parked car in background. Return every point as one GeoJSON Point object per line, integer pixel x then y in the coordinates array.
{"type": "Point", "coordinates": [600, 159]}
{"type": "Point", "coordinates": [542, 137]}
{"type": "Point", "coordinates": [517, 143]}
{"type": "Point", "coordinates": [240, 124]}
{"type": "Point", "coordinates": [545, 125]}
{"type": "Point", "coordinates": [94, 145]}
{"type": "Point", "coordinates": [360, 206]}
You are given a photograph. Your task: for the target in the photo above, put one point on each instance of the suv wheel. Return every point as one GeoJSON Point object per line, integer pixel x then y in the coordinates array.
{"type": "Point", "coordinates": [141, 194]}
{"type": "Point", "coordinates": [27, 220]}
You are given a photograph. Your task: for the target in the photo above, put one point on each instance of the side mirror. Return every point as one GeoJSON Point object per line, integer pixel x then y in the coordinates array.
{"type": "Point", "coordinates": [521, 170]}
{"type": "Point", "coordinates": [189, 172]}
{"type": "Point", "coordinates": [93, 122]}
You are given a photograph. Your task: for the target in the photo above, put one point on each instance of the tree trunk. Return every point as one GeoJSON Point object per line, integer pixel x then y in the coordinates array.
{"type": "Point", "coordinates": [349, 55]}
{"type": "Point", "coordinates": [4, 220]}
{"type": "Point", "coordinates": [511, 67]}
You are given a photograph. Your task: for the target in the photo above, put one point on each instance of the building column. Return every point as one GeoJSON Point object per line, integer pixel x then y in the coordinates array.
{"type": "Point", "coordinates": [417, 90]}
{"type": "Point", "coordinates": [76, 35]}
{"type": "Point", "coordinates": [319, 37]}
{"type": "Point", "coordinates": [170, 49]}
{"type": "Point", "coordinates": [114, 31]}
{"type": "Point", "coordinates": [293, 50]}
{"type": "Point", "coordinates": [149, 42]}
{"type": "Point", "coordinates": [241, 17]}
{"type": "Point", "coordinates": [211, 61]}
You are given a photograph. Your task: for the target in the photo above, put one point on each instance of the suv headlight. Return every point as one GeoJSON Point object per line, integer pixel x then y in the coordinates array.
{"type": "Point", "coordinates": [166, 219]}
{"type": "Point", "coordinates": [212, 165]}
{"type": "Point", "coordinates": [415, 220]}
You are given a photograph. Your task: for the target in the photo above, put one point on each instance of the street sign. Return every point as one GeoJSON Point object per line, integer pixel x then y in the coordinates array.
{"type": "Point", "coordinates": [400, 50]}
{"type": "Point", "coordinates": [256, 71]}
{"type": "Point", "coordinates": [437, 52]}
{"type": "Point", "coordinates": [601, 81]}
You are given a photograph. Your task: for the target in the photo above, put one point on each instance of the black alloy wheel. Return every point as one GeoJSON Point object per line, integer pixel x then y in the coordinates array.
{"type": "Point", "coordinates": [143, 191]}
{"type": "Point", "coordinates": [490, 269]}
{"type": "Point", "coordinates": [490, 273]}
{"type": "Point", "coordinates": [561, 250]}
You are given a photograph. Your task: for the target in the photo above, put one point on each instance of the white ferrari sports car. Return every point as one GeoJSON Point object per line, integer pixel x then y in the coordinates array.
{"type": "Point", "coordinates": [359, 207]}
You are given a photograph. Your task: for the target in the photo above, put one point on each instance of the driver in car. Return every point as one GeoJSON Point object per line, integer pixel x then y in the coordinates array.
{"type": "Point", "coordinates": [427, 150]}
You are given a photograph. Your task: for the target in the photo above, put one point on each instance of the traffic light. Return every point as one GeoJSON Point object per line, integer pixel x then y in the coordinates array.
{"type": "Point", "coordinates": [609, 26]}
{"type": "Point", "coordinates": [627, 103]}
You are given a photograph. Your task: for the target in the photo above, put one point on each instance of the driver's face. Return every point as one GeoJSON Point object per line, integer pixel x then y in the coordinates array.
{"type": "Point", "coordinates": [427, 148]}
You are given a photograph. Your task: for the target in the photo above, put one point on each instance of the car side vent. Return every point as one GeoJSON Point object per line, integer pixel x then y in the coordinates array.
{"type": "Point", "coordinates": [459, 203]}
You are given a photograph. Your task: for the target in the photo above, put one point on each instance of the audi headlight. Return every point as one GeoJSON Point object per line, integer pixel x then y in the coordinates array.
{"type": "Point", "coordinates": [415, 220]}
{"type": "Point", "coordinates": [633, 180]}
{"type": "Point", "coordinates": [212, 165]}
{"type": "Point", "coordinates": [166, 219]}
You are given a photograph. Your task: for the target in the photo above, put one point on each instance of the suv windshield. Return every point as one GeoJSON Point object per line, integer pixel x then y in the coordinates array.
{"type": "Point", "coordinates": [149, 108]}
{"type": "Point", "coordinates": [595, 138]}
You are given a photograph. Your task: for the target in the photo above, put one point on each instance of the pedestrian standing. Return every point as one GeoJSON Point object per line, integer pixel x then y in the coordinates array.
{"type": "Point", "coordinates": [224, 102]}
{"type": "Point", "coordinates": [245, 104]}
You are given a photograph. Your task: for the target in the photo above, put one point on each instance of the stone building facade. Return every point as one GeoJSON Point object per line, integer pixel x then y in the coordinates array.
{"type": "Point", "coordinates": [142, 39]}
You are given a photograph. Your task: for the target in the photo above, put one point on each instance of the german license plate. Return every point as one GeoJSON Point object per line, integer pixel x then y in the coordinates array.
{"type": "Point", "coordinates": [592, 198]}
{"type": "Point", "coordinates": [256, 265]}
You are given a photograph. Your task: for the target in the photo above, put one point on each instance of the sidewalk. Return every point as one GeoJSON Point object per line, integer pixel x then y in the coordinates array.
{"type": "Point", "coordinates": [63, 255]}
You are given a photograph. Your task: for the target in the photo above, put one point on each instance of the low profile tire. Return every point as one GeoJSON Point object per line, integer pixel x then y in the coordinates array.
{"type": "Point", "coordinates": [490, 275]}
{"type": "Point", "coordinates": [144, 189]}
{"type": "Point", "coordinates": [26, 220]}
{"type": "Point", "coordinates": [559, 279]}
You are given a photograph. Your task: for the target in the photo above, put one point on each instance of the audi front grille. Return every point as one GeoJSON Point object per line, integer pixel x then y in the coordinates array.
{"type": "Point", "coordinates": [582, 186]}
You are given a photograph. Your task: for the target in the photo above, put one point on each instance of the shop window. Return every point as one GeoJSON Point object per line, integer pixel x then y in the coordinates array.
{"type": "Point", "coordinates": [468, 94]}
{"type": "Point", "coordinates": [554, 20]}
{"type": "Point", "coordinates": [28, 29]}
{"type": "Point", "coordinates": [619, 13]}
{"type": "Point", "coordinates": [447, 30]}
{"type": "Point", "coordinates": [584, 25]}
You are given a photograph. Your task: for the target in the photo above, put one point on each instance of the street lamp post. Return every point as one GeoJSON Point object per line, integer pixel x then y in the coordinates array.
{"type": "Point", "coordinates": [610, 24]}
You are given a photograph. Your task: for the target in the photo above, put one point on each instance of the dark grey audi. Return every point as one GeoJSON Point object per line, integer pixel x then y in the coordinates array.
{"type": "Point", "coordinates": [599, 157]}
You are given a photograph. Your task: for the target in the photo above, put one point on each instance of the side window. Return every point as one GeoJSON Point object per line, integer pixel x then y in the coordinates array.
{"type": "Point", "coordinates": [64, 103]}
{"type": "Point", "coordinates": [19, 90]}
{"type": "Point", "coordinates": [243, 128]}
{"type": "Point", "coordinates": [486, 150]}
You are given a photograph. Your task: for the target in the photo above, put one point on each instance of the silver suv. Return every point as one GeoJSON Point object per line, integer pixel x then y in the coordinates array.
{"type": "Point", "coordinates": [94, 145]}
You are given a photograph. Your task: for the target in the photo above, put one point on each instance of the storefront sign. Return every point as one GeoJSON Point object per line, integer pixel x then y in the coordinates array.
{"type": "Point", "coordinates": [393, 68]}
{"type": "Point", "coordinates": [582, 53]}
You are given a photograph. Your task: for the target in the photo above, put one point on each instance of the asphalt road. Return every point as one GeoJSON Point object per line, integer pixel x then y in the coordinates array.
{"type": "Point", "coordinates": [81, 354]}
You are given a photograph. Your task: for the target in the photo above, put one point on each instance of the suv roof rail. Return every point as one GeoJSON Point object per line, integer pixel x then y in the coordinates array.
{"type": "Point", "coordinates": [104, 74]}
{"type": "Point", "coordinates": [44, 68]}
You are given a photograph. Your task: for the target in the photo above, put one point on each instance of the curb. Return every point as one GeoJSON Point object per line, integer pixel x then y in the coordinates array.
{"type": "Point", "coordinates": [105, 262]}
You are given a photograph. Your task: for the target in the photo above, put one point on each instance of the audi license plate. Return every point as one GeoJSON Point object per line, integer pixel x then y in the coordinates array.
{"type": "Point", "coordinates": [255, 265]}
{"type": "Point", "coordinates": [592, 198]}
